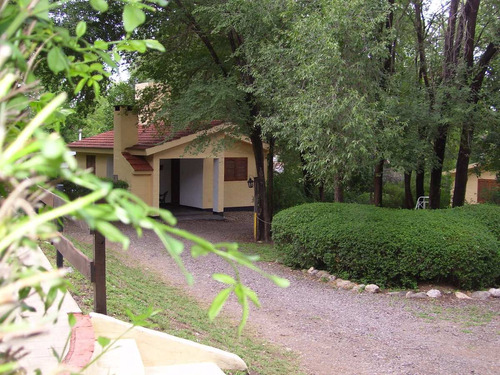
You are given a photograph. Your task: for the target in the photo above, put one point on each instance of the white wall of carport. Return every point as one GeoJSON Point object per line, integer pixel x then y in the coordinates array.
{"type": "Point", "coordinates": [191, 182]}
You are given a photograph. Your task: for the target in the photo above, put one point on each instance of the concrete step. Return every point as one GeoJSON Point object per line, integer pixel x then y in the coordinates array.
{"type": "Point", "coordinates": [122, 358]}
{"type": "Point", "coordinates": [185, 369]}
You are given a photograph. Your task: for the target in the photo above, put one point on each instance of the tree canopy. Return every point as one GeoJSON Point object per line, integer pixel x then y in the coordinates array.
{"type": "Point", "coordinates": [348, 85]}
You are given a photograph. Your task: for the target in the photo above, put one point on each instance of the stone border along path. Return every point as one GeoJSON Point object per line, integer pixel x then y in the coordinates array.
{"type": "Point", "coordinates": [335, 331]}
{"type": "Point", "coordinates": [373, 288]}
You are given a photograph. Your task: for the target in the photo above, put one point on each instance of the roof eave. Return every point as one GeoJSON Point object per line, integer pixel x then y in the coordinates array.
{"type": "Point", "coordinates": [102, 150]}
{"type": "Point", "coordinates": [176, 142]}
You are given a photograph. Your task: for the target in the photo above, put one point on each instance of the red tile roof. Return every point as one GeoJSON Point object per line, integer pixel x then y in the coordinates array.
{"type": "Point", "coordinates": [103, 140]}
{"type": "Point", "coordinates": [139, 163]}
{"type": "Point", "coordinates": [152, 136]}
{"type": "Point", "coordinates": [148, 136]}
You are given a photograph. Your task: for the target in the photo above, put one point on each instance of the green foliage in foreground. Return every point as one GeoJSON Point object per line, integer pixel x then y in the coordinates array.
{"type": "Point", "coordinates": [129, 287]}
{"type": "Point", "coordinates": [393, 247]}
{"type": "Point", "coordinates": [34, 158]}
{"type": "Point", "coordinates": [74, 191]}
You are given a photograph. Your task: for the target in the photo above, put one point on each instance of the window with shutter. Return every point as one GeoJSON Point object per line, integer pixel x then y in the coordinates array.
{"type": "Point", "coordinates": [235, 169]}
{"type": "Point", "coordinates": [486, 189]}
{"type": "Point", "coordinates": [91, 163]}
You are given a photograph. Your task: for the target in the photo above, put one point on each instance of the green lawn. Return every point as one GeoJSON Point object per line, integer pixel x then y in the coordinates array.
{"type": "Point", "coordinates": [266, 252]}
{"type": "Point", "coordinates": [131, 288]}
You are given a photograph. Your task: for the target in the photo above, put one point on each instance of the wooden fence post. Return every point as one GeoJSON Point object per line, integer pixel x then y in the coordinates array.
{"type": "Point", "coordinates": [59, 257]}
{"type": "Point", "coordinates": [99, 273]}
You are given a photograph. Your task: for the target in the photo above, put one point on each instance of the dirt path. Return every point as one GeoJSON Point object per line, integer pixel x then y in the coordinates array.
{"type": "Point", "coordinates": [341, 332]}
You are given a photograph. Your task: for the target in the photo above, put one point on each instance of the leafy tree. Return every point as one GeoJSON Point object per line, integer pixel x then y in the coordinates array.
{"type": "Point", "coordinates": [433, 93]}
{"type": "Point", "coordinates": [322, 75]}
{"type": "Point", "coordinates": [475, 70]}
{"type": "Point", "coordinates": [464, 65]}
{"type": "Point", "coordinates": [346, 84]}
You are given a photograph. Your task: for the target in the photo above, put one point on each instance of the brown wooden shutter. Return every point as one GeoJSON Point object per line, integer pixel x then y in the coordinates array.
{"type": "Point", "coordinates": [235, 169]}
{"type": "Point", "coordinates": [486, 189]}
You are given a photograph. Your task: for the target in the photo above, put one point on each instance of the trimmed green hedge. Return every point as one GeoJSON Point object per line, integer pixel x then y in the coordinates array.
{"type": "Point", "coordinates": [393, 247]}
{"type": "Point", "coordinates": [487, 214]}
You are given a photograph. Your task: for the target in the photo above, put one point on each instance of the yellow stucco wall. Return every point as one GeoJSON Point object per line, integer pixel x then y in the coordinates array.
{"type": "Point", "coordinates": [237, 193]}
{"type": "Point", "coordinates": [208, 183]}
{"type": "Point", "coordinates": [101, 162]}
{"type": "Point", "coordinates": [230, 193]}
{"type": "Point", "coordinates": [471, 191]}
{"type": "Point", "coordinates": [140, 185]}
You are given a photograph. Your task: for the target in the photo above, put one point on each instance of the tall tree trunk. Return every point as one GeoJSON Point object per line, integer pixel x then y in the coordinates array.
{"type": "Point", "coordinates": [308, 181]}
{"type": "Point", "coordinates": [270, 187]}
{"type": "Point", "coordinates": [339, 189]}
{"type": "Point", "coordinates": [388, 70]}
{"type": "Point", "coordinates": [261, 198]}
{"type": "Point", "coordinates": [378, 183]}
{"type": "Point", "coordinates": [437, 170]}
{"type": "Point", "coordinates": [423, 69]}
{"type": "Point", "coordinates": [321, 192]}
{"type": "Point", "coordinates": [467, 134]}
{"type": "Point", "coordinates": [264, 215]}
{"type": "Point", "coordinates": [419, 181]}
{"type": "Point", "coordinates": [449, 68]}
{"type": "Point", "coordinates": [194, 25]}
{"type": "Point", "coordinates": [461, 174]}
{"type": "Point", "coordinates": [409, 202]}
{"type": "Point", "coordinates": [423, 73]}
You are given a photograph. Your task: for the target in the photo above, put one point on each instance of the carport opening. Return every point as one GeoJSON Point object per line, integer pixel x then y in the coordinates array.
{"type": "Point", "coordinates": [181, 183]}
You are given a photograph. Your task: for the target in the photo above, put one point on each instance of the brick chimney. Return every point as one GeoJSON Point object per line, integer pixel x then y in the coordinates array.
{"type": "Point", "coordinates": [125, 123]}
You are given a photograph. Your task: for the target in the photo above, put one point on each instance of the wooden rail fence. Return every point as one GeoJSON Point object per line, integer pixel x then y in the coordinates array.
{"type": "Point", "coordinates": [93, 270]}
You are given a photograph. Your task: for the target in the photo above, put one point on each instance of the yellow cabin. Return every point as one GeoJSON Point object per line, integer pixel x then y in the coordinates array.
{"type": "Point", "coordinates": [163, 171]}
{"type": "Point", "coordinates": [480, 185]}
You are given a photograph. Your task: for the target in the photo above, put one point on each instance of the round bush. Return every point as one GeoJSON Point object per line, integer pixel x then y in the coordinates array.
{"type": "Point", "coordinates": [392, 247]}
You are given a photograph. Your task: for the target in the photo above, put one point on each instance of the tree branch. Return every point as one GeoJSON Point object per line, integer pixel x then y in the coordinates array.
{"type": "Point", "coordinates": [203, 37]}
{"type": "Point", "coordinates": [482, 66]}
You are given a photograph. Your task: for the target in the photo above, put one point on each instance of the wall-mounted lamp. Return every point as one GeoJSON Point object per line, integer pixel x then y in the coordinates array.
{"type": "Point", "coordinates": [250, 182]}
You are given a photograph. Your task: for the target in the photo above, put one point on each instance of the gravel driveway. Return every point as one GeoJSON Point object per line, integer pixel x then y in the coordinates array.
{"type": "Point", "coordinates": [341, 332]}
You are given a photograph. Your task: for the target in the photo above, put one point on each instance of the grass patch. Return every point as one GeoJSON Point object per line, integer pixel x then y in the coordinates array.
{"type": "Point", "coordinates": [465, 316]}
{"type": "Point", "coordinates": [132, 288]}
{"type": "Point", "coordinates": [266, 252]}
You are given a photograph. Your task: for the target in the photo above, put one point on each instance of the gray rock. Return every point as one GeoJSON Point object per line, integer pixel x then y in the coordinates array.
{"type": "Point", "coordinates": [495, 292]}
{"type": "Point", "coordinates": [345, 284]}
{"type": "Point", "coordinates": [322, 274]}
{"type": "Point", "coordinates": [358, 288]}
{"type": "Point", "coordinates": [312, 271]}
{"type": "Point", "coordinates": [416, 295]}
{"type": "Point", "coordinates": [461, 295]}
{"type": "Point", "coordinates": [336, 281]}
{"type": "Point", "coordinates": [372, 288]}
{"type": "Point", "coordinates": [481, 295]}
{"type": "Point", "coordinates": [332, 277]}
{"type": "Point", "coordinates": [434, 293]}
